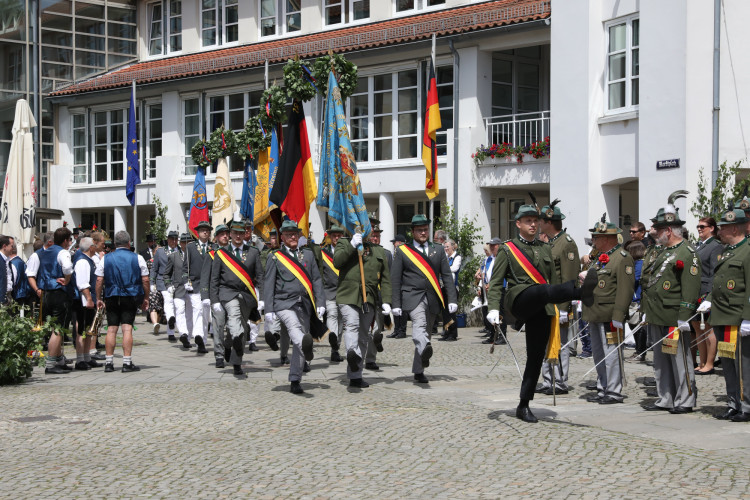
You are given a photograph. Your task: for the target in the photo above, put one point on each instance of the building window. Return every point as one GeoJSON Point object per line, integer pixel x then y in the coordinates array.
{"type": "Point", "coordinates": [191, 119]}
{"type": "Point", "coordinates": [623, 64]}
{"type": "Point", "coordinates": [279, 17]}
{"type": "Point", "coordinates": [80, 150]}
{"type": "Point", "coordinates": [345, 11]}
{"type": "Point", "coordinates": [109, 145]}
{"type": "Point", "coordinates": [405, 6]}
{"type": "Point", "coordinates": [516, 87]}
{"type": "Point", "coordinates": [444, 75]}
{"type": "Point", "coordinates": [153, 139]}
{"type": "Point", "coordinates": [233, 111]}
{"type": "Point", "coordinates": [156, 35]}
{"type": "Point", "coordinates": [219, 22]}
{"type": "Point", "coordinates": [175, 26]}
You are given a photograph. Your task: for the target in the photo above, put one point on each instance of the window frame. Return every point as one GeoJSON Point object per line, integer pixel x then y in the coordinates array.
{"type": "Point", "coordinates": [629, 77]}
{"type": "Point", "coordinates": [419, 6]}
{"type": "Point", "coordinates": [165, 21]}
{"type": "Point", "coordinates": [84, 146]}
{"type": "Point", "coordinates": [347, 14]}
{"type": "Point", "coordinates": [110, 127]}
{"type": "Point", "coordinates": [147, 145]}
{"type": "Point", "coordinates": [186, 157]}
{"type": "Point", "coordinates": [281, 20]}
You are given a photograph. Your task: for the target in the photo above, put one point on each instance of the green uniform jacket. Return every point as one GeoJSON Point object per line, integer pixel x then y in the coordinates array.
{"type": "Point", "coordinates": [669, 294]}
{"type": "Point", "coordinates": [506, 267]}
{"type": "Point", "coordinates": [567, 262]}
{"type": "Point", "coordinates": [730, 292]}
{"type": "Point", "coordinates": [377, 273]}
{"type": "Point", "coordinates": [615, 285]}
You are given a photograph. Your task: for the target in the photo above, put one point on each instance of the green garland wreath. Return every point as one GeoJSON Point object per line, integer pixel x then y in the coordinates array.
{"type": "Point", "coordinates": [217, 150]}
{"type": "Point", "coordinates": [250, 140]}
{"type": "Point", "coordinates": [297, 81]}
{"type": "Point", "coordinates": [346, 72]}
{"type": "Point", "coordinates": [197, 154]}
{"type": "Point", "coordinates": [276, 111]}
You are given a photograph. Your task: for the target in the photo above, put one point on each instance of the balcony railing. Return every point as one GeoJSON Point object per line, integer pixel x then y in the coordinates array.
{"type": "Point", "coordinates": [518, 130]}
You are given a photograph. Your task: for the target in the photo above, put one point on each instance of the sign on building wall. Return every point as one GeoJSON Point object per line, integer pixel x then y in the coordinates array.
{"type": "Point", "coordinates": [662, 164]}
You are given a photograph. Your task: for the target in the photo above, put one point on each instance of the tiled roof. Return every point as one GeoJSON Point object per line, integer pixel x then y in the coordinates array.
{"type": "Point", "coordinates": [418, 27]}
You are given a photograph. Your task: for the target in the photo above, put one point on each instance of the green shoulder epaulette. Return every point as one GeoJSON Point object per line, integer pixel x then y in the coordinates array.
{"type": "Point", "coordinates": [623, 253]}
{"type": "Point", "coordinates": [567, 237]}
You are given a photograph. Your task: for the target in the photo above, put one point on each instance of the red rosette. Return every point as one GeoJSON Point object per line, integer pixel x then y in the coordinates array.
{"type": "Point", "coordinates": [679, 265]}
{"type": "Point", "coordinates": [604, 258]}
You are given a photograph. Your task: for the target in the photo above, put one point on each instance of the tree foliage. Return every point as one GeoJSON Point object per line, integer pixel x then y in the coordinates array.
{"type": "Point", "coordinates": [18, 338]}
{"type": "Point", "coordinates": [159, 225]}
{"type": "Point", "coordinates": [712, 202]}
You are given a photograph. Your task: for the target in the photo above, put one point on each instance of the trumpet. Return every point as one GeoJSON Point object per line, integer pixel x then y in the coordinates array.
{"type": "Point", "coordinates": [97, 323]}
{"type": "Point", "coordinates": [40, 317]}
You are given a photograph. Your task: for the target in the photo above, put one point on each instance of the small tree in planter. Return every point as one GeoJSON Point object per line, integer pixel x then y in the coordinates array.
{"type": "Point", "coordinates": [19, 338]}
{"type": "Point", "coordinates": [159, 225]}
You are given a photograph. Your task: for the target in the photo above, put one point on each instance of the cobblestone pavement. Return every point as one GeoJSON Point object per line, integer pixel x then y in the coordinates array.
{"type": "Point", "coordinates": [182, 429]}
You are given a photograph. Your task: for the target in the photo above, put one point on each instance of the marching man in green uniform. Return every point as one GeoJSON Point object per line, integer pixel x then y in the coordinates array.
{"type": "Point", "coordinates": [614, 275]}
{"type": "Point", "coordinates": [729, 303]}
{"type": "Point", "coordinates": [356, 315]}
{"type": "Point", "coordinates": [671, 284]}
{"type": "Point", "coordinates": [567, 267]}
{"type": "Point", "coordinates": [416, 290]}
{"type": "Point", "coordinates": [330, 284]}
{"type": "Point", "coordinates": [533, 290]}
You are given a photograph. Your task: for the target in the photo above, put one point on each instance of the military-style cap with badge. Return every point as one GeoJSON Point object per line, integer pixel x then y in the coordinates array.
{"type": "Point", "coordinates": [220, 229]}
{"type": "Point", "coordinates": [552, 211]}
{"type": "Point", "coordinates": [375, 224]}
{"type": "Point", "coordinates": [336, 229]}
{"type": "Point", "coordinates": [204, 224]}
{"type": "Point", "coordinates": [602, 227]}
{"type": "Point", "coordinates": [186, 237]}
{"type": "Point", "coordinates": [289, 225]}
{"type": "Point", "coordinates": [237, 225]}
{"type": "Point", "coordinates": [733, 216]}
{"type": "Point", "coordinates": [173, 234]}
{"type": "Point", "coordinates": [670, 215]}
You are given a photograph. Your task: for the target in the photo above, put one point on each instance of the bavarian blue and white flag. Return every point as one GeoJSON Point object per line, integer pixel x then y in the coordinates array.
{"type": "Point", "coordinates": [339, 189]}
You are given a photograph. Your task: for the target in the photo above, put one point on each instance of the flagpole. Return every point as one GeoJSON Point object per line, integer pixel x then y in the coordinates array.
{"type": "Point", "coordinates": [432, 54]}
{"type": "Point", "coordinates": [266, 73]}
{"type": "Point", "coordinates": [135, 188]}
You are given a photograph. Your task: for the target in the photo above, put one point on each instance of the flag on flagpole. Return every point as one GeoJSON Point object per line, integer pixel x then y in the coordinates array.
{"type": "Point", "coordinates": [268, 160]}
{"type": "Point", "coordinates": [295, 188]}
{"type": "Point", "coordinates": [248, 190]}
{"type": "Point", "coordinates": [131, 154]}
{"type": "Point", "coordinates": [431, 125]}
{"type": "Point", "coordinates": [340, 190]}
{"type": "Point", "coordinates": [224, 206]}
{"type": "Point", "coordinates": [199, 203]}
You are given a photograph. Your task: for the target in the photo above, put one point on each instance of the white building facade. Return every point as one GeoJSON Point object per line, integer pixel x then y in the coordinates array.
{"type": "Point", "coordinates": [618, 85]}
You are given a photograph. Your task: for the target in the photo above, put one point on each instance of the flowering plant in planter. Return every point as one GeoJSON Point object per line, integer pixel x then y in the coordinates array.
{"type": "Point", "coordinates": [537, 149]}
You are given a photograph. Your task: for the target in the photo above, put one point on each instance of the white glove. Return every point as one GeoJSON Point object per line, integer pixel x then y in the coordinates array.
{"type": "Point", "coordinates": [188, 287]}
{"type": "Point", "coordinates": [356, 240]}
{"type": "Point", "coordinates": [452, 308]}
{"type": "Point", "coordinates": [684, 326]}
{"type": "Point", "coordinates": [261, 305]}
{"type": "Point", "coordinates": [321, 311]}
{"type": "Point", "coordinates": [217, 308]}
{"type": "Point", "coordinates": [270, 317]}
{"type": "Point", "coordinates": [745, 328]}
{"type": "Point", "coordinates": [704, 307]}
{"type": "Point", "coordinates": [563, 317]}
{"type": "Point", "coordinates": [617, 325]}
{"type": "Point", "coordinates": [579, 306]}
{"type": "Point", "coordinates": [396, 311]}
{"type": "Point", "coordinates": [206, 302]}
{"type": "Point", "coordinates": [494, 317]}
{"type": "Point", "coordinates": [153, 288]}
{"type": "Point", "coordinates": [386, 309]}
{"type": "Point", "coordinates": [170, 289]}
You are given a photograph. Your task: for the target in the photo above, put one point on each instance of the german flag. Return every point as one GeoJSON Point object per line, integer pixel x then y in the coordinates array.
{"type": "Point", "coordinates": [431, 125]}
{"type": "Point", "coordinates": [295, 188]}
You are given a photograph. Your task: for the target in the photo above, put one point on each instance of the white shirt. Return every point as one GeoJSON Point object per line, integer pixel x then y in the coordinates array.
{"type": "Point", "coordinates": [83, 280]}
{"type": "Point", "coordinates": [488, 269]}
{"type": "Point", "coordinates": [141, 264]}
{"type": "Point", "coordinates": [63, 258]}
{"type": "Point", "coordinates": [8, 273]}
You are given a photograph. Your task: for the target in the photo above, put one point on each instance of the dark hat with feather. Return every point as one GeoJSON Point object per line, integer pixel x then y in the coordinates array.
{"type": "Point", "coordinates": [552, 211]}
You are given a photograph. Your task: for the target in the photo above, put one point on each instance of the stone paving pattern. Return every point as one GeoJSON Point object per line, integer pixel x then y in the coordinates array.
{"type": "Point", "coordinates": [182, 429]}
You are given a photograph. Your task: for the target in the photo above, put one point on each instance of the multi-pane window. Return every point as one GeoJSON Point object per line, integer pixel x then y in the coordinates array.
{"type": "Point", "coordinates": [516, 81]}
{"type": "Point", "coordinates": [233, 111]}
{"type": "Point", "coordinates": [153, 139]}
{"type": "Point", "coordinates": [175, 26]}
{"type": "Point", "coordinates": [623, 69]}
{"type": "Point", "coordinates": [156, 35]}
{"type": "Point", "coordinates": [191, 119]}
{"type": "Point", "coordinates": [407, 114]}
{"type": "Point", "coordinates": [80, 150]}
{"type": "Point", "coordinates": [414, 5]}
{"type": "Point", "coordinates": [279, 17]}
{"type": "Point", "coordinates": [219, 22]}
{"type": "Point", "coordinates": [444, 75]}
{"type": "Point", "coordinates": [108, 145]}
{"type": "Point", "coordinates": [345, 11]}
{"type": "Point", "coordinates": [358, 120]}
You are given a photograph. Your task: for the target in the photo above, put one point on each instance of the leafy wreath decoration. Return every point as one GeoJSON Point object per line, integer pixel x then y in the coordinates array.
{"type": "Point", "coordinates": [252, 138]}
{"type": "Point", "coordinates": [201, 157]}
{"type": "Point", "coordinates": [273, 106]}
{"type": "Point", "coordinates": [299, 80]}
{"type": "Point", "coordinates": [222, 147]}
{"type": "Point", "coordinates": [346, 73]}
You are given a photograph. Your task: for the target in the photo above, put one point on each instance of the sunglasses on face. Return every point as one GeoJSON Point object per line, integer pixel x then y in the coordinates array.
{"type": "Point", "coordinates": [701, 226]}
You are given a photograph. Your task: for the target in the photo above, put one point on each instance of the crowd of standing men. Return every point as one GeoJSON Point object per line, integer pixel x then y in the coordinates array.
{"type": "Point", "coordinates": [349, 287]}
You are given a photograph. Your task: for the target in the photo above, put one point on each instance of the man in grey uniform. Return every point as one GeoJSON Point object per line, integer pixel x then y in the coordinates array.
{"type": "Point", "coordinates": [294, 293]}
{"type": "Point", "coordinates": [415, 276]}
{"type": "Point", "coordinates": [175, 279]}
{"type": "Point", "coordinates": [330, 283]}
{"type": "Point", "coordinates": [196, 253]}
{"type": "Point", "coordinates": [218, 318]}
{"type": "Point", "coordinates": [158, 269]}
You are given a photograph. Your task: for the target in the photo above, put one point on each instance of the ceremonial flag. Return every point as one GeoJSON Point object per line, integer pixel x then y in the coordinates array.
{"type": "Point", "coordinates": [340, 190]}
{"type": "Point", "coordinates": [431, 125]}
{"type": "Point", "coordinates": [131, 154]}
{"type": "Point", "coordinates": [199, 203]}
{"type": "Point", "coordinates": [268, 160]}
{"type": "Point", "coordinates": [248, 190]}
{"type": "Point", "coordinates": [294, 188]}
{"type": "Point", "coordinates": [224, 207]}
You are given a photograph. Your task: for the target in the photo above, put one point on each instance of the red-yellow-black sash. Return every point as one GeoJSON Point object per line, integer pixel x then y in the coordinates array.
{"type": "Point", "coordinates": [238, 269]}
{"type": "Point", "coordinates": [553, 346]}
{"type": "Point", "coordinates": [425, 268]}
{"type": "Point", "coordinates": [329, 261]}
{"type": "Point", "coordinates": [727, 346]}
{"type": "Point", "coordinates": [298, 271]}
{"type": "Point", "coordinates": [211, 254]}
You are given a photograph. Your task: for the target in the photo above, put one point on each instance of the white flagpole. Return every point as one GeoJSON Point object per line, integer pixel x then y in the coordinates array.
{"type": "Point", "coordinates": [432, 206]}
{"type": "Point", "coordinates": [266, 73]}
{"type": "Point", "coordinates": [135, 188]}
{"type": "Point", "coordinates": [434, 37]}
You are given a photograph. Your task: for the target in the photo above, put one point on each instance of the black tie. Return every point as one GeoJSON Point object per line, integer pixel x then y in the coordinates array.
{"type": "Point", "coordinates": [237, 252]}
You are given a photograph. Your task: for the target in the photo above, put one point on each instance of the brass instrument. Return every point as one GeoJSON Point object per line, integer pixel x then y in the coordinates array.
{"type": "Point", "coordinates": [40, 317]}
{"type": "Point", "coordinates": [97, 323]}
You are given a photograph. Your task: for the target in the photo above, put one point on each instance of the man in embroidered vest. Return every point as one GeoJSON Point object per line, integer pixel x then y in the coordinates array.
{"type": "Point", "coordinates": [357, 316]}
{"type": "Point", "coordinates": [158, 270]}
{"type": "Point", "coordinates": [670, 286]}
{"type": "Point", "coordinates": [375, 342]}
{"type": "Point", "coordinates": [417, 269]}
{"type": "Point", "coordinates": [613, 272]}
{"type": "Point", "coordinates": [85, 307]}
{"type": "Point", "coordinates": [122, 285]}
{"type": "Point", "coordinates": [218, 317]}
{"type": "Point", "coordinates": [20, 290]}
{"type": "Point", "coordinates": [236, 279]}
{"type": "Point", "coordinates": [195, 255]}
{"type": "Point", "coordinates": [729, 304]}
{"type": "Point", "coordinates": [294, 293]}
{"type": "Point", "coordinates": [533, 290]}
{"type": "Point", "coordinates": [330, 283]}
{"type": "Point", "coordinates": [49, 274]}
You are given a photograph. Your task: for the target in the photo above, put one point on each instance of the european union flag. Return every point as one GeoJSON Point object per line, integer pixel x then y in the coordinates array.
{"type": "Point", "coordinates": [131, 155]}
{"type": "Point", "coordinates": [248, 190]}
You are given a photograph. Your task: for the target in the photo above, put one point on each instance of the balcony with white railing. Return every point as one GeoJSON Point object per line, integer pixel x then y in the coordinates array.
{"type": "Point", "coordinates": [521, 129]}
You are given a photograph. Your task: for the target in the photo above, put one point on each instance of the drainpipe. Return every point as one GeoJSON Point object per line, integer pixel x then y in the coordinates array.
{"type": "Point", "coordinates": [715, 113]}
{"type": "Point", "coordinates": [35, 94]}
{"type": "Point", "coordinates": [456, 74]}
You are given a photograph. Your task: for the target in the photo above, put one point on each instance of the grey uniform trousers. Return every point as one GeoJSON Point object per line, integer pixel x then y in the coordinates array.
{"type": "Point", "coordinates": [356, 333]}
{"type": "Point", "coordinates": [218, 322]}
{"type": "Point", "coordinates": [377, 327]}
{"type": "Point", "coordinates": [422, 321]}
{"type": "Point", "coordinates": [297, 323]}
{"type": "Point", "coordinates": [731, 368]}
{"type": "Point", "coordinates": [333, 319]}
{"type": "Point", "coordinates": [609, 376]}
{"type": "Point", "coordinates": [561, 368]}
{"type": "Point", "coordinates": [276, 327]}
{"type": "Point", "coordinates": [669, 371]}
{"type": "Point", "coordinates": [238, 313]}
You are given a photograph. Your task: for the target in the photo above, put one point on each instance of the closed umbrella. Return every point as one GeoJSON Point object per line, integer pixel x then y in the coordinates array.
{"type": "Point", "coordinates": [19, 196]}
